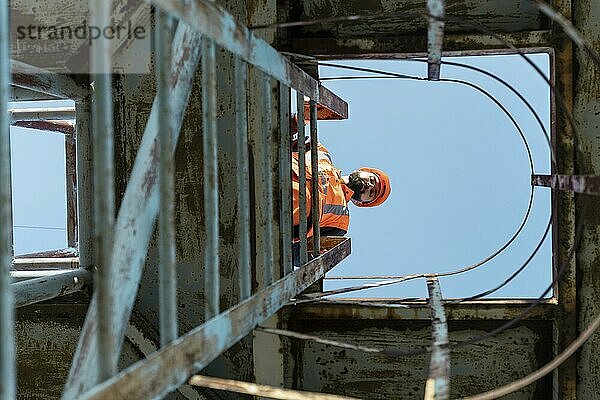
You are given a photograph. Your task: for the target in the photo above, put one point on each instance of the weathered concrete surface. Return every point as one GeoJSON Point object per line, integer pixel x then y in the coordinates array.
{"type": "Point", "coordinates": [477, 368]}
{"type": "Point", "coordinates": [586, 15]}
{"type": "Point", "coordinates": [46, 336]}
{"type": "Point", "coordinates": [496, 15]}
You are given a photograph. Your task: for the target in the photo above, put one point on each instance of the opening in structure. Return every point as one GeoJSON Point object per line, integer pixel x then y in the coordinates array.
{"type": "Point", "coordinates": [43, 176]}
{"type": "Point", "coordinates": [460, 172]}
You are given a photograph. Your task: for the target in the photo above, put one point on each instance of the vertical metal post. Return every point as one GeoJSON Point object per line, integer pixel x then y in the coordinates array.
{"type": "Point", "coordinates": [85, 187]}
{"type": "Point", "coordinates": [435, 37]}
{"type": "Point", "coordinates": [166, 220]}
{"type": "Point", "coordinates": [267, 178]}
{"type": "Point", "coordinates": [7, 348]}
{"type": "Point", "coordinates": [243, 192]}
{"type": "Point", "coordinates": [211, 195]}
{"type": "Point", "coordinates": [316, 179]}
{"type": "Point", "coordinates": [302, 179]}
{"type": "Point", "coordinates": [437, 386]}
{"type": "Point", "coordinates": [104, 198]}
{"type": "Point", "coordinates": [285, 178]}
{"type": "Point", "coordinates": [71, 186]}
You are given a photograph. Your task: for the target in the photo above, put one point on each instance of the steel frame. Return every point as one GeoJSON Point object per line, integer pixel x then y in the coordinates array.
{"type": "Point", "coordinates": [121, 259]}
{"type": "Point", "coordinates": [171, 366]}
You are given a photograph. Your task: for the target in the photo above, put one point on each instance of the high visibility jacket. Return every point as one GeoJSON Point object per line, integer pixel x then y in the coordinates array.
{"type": "Point", "coordinates": [334, 195]}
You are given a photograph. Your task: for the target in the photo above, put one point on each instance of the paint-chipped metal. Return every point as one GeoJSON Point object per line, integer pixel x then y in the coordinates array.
{"type": "Point", "coordinates": [170, 367]}
{"type": "Point", "coordinates": [32, 291]}
{"type": "Point", "coordinates": [437, 386]}
{"type": "Point", "coordinates": [435, 37]}
{"type": "Point", "coordinates": [588, 184]}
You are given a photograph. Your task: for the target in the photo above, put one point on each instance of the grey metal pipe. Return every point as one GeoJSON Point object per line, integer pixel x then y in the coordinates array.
{"type": "Point", "coordinates": [302, 179]}
{"type": "Point", "coordinates": [316, 179]}
{"type": "Point", "coordinates": [285, 178]}
{"type": "Point", "coordinates": [167, 290]}
{"type": "Point", "coordinates": [243, 192]}
{"type": "Point", "coordinates": [267, 177]}
{"type": "Point", "coordinates": [211, 195]}
{"type": "Point", "coordinates": [104, 198]}
{"type": "Point", "coordinates": [7, 349]}
{"type": "Point", "coordinates": [33, 291]}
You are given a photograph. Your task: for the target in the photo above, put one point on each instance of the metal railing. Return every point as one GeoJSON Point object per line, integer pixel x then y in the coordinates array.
{"type": "Point", "coordinates": [117, 247]}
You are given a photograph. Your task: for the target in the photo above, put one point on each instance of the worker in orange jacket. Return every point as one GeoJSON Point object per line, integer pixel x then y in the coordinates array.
{"type": "Point", "coordinates": [365, 187]}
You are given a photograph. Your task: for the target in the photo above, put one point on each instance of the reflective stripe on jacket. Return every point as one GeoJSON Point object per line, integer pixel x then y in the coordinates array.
{"type": "Point", "coordinates": [333, 194]}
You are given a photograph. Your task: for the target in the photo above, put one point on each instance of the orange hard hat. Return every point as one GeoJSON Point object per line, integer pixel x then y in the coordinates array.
{"type": "Point", "coordinates": [384, 188]}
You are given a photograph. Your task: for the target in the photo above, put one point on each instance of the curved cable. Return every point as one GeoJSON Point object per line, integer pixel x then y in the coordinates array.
{"type": "Point", "coordinates": [522, 135]}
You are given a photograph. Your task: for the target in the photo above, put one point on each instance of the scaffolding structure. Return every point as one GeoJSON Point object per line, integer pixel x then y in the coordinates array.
{"type": "Point", "coordinates": [113, 246]}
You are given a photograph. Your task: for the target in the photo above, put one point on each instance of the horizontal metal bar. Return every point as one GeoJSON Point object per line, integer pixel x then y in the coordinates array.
{"type": "Point", "coordinates": [58, 253]}
{"type": "Point", "coordinates": [317, 339]}
{"type": "Point", "coordinates": [42, 273]}
{"type": "Point", "coordinates": [213, 21]}
{"type": "Point", "coordinates": [38, 263]}
{"type": "Point", "coordinates": [437, 386]}
{"type": "Point", "coordinates": [167, 369]}
{"type": "Point", "coordinates": [35, 290]}
{"type": "Point", "coordinates": [39, 80]}
{"type": "Point", "coordinates": [330, 105]}
{"type": "Point", "coordinates": [42, 114]}
{"type": "Point", "coordinates": [401, 47]}
{"type": "Point", "coordinates": [435, 38]}
{"type": "Point", "coordinates": [64, 127]}
{"type": "Point", "coordinates": [588, 184]}
{"type": "Point", "coordinates": [479, 310]}
{"type": "Point", "coordinates": [260, 390]}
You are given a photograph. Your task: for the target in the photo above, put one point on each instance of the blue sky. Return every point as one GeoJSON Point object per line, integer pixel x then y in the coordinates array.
{"type": "Point", "coordinates": [38, 186]}
{"type": "Point", "coordinates": [459, 170]}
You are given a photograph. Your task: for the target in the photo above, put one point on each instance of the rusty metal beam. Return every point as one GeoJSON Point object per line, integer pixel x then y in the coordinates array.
{"type": "Point", "coordinates": [138, 212]}
{"type": "Point", "coordinates": [243, 180]}
{"type": "Point", "coordinates": [36, 263]}
{"type": "Point", "coordinates": [303, 224]}
{"type": "Point", "coordinates": [285, 178]}
{"type": "Point", "coordinates": [316, 180]}
{"type": "Point", "coordinates": [166, 175]}
{"type": "Point", "coordinates": [42, 113]}
{"type": "Point", "coordinates": [329, 107]}
{"type": "Point", "coordinates": [416, 46]}
{"type": "Point", "coordinates": [213, 21]}
{"type": "Point", "coordinates": [435, 38]}
{"type": "Point", "coordinates": [33, 291]}
{"type": "Point", "coordinates": [211, 179]}
{"type": "Point", "coordinates": [170, 367]}
{"type": "Point", "coordinates": [63, 127]}
{"type": "Point", "coordinates": [588, 184]}
{"type": "Point", "coordinates": [104, 189]}
{"type": "Point", "coordinates": [39, 80]}
{"type": "Point", "coordinates": [479, 310]}
{"type": "Point", "coordinates": [437, 386]}
{"type": "Point", "coordinates": [263, 391]}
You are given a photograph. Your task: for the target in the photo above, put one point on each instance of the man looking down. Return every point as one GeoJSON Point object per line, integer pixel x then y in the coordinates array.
{"type": "Point", "coordinates": [365, 187]}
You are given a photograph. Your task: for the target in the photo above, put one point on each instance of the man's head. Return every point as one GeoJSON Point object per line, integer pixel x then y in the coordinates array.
{"type": "Point", "coordinates": [371, 187]}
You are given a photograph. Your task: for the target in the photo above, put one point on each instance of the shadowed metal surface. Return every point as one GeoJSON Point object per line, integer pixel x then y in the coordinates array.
{"type": "Point", "coordinates": [170, 367]}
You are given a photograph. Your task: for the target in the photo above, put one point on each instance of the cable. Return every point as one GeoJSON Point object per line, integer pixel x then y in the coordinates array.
{"type": "Point", "coordinates": [545, 370]}
{"type": "Point", "coordinates": [470, 267]}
